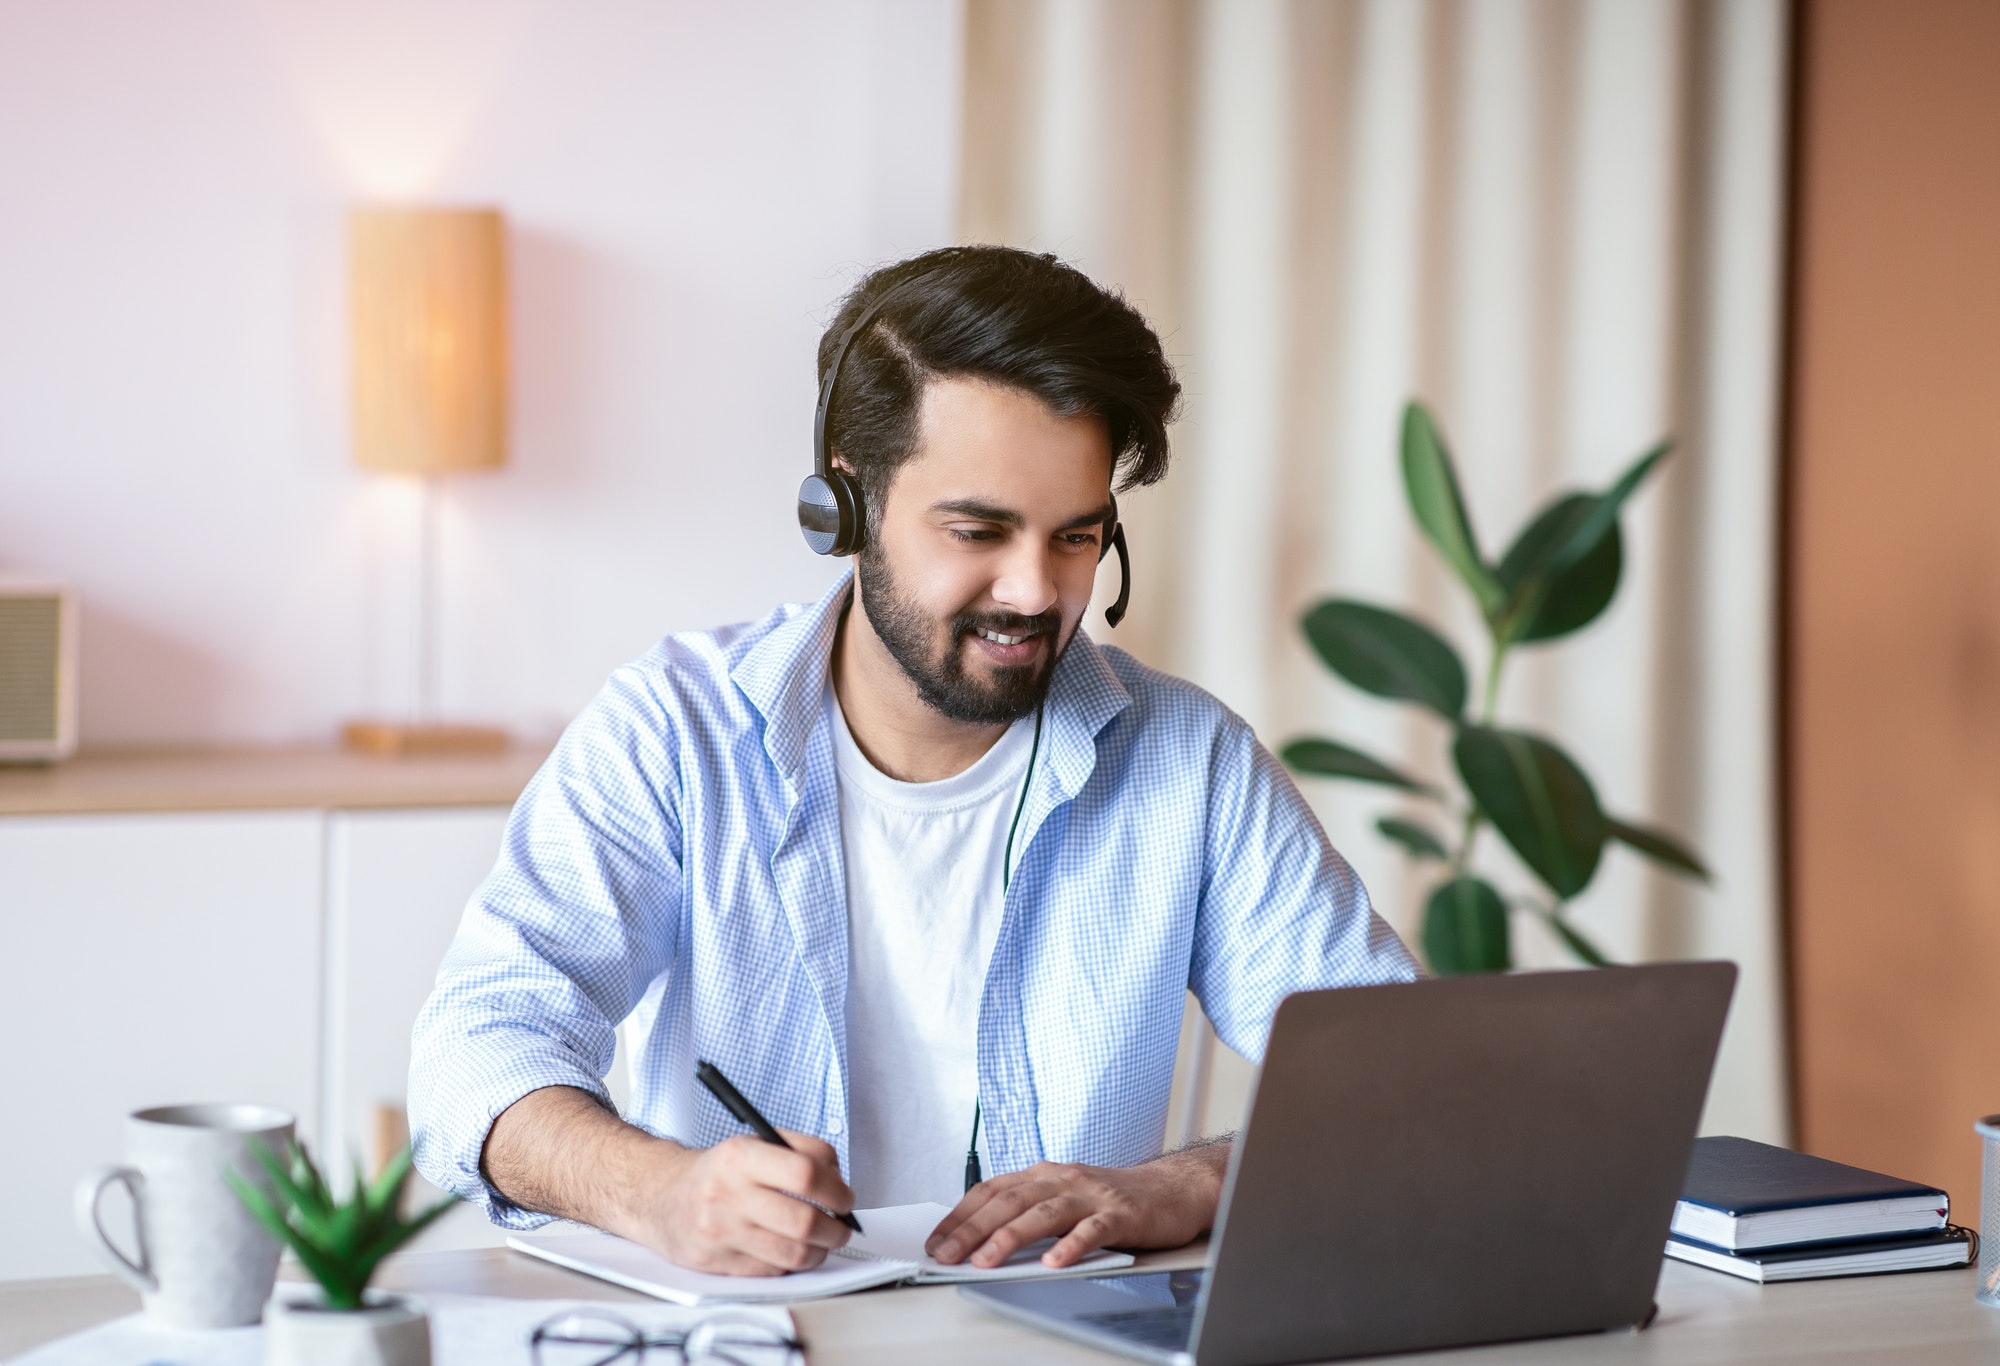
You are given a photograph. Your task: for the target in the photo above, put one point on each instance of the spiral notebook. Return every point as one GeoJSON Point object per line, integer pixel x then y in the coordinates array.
{"type": "Point", "coordinates": [891, 1251]}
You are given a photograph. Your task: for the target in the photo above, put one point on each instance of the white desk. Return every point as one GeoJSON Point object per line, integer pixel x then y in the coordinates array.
{"type": "Point", "coordinates": [1705, 1318]}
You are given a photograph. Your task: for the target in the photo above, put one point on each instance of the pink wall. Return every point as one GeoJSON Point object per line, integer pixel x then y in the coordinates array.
{"type": "Point", "coordinates": [689, 186]}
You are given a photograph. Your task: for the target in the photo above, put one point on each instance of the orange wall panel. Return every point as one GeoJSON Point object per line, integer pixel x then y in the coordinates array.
{"type": "Point", "coordinates": [1893, 660]}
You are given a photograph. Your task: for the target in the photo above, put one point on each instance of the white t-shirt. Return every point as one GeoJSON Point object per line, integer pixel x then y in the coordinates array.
{"type": "Point", "coordinates": [924, 900]}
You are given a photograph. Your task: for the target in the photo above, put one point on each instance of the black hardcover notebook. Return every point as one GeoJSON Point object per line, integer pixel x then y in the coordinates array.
{"type": "Point", "coordinates": [1948, 1247]}
{"type": "Point", "coordinates": [1742, 1195]}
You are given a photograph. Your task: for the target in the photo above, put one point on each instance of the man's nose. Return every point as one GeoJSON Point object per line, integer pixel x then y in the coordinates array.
{"type": "Point", "coordinates": [1027, 582]}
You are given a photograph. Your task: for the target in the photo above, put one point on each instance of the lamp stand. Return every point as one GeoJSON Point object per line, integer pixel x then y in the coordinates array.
{"type": "Point", "coordinates": [423, 733]}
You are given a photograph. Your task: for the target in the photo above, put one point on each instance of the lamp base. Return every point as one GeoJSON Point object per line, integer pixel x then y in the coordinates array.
{"type": "Point", "coordinates": [401, 740]}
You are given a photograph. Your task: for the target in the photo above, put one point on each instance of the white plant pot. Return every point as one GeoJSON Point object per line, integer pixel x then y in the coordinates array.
{"type": "Point", "coordinates": [388, 1330]}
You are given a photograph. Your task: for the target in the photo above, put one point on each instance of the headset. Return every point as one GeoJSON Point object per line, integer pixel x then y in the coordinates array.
{"type": "Point", "coordinates": [832, 516]}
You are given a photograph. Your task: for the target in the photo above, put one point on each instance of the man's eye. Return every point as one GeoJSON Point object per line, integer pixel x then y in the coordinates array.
{"type": "Point", "coordinates": [967, 535]}
{"type": "Point", "coordinates": [1081, 539]}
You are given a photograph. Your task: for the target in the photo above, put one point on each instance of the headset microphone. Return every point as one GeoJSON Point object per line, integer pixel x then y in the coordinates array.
{"type": "Point", "coordinates": [834, 519]}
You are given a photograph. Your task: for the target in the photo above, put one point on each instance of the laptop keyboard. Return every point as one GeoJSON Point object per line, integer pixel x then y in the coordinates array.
{"type": "Point", "coordinates": [1162, 1326]}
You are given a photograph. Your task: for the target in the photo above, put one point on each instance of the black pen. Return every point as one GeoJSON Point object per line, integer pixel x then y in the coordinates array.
{"type": "Point", "coordinates": [709, 1075]}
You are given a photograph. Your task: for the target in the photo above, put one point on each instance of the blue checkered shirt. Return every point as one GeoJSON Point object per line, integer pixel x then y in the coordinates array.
{"type": "Point", "coordinates": [678, 860]}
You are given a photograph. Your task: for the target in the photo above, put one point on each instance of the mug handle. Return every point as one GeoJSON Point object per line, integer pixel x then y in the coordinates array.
{"type": "Point", "coordinates": [89, 1192]}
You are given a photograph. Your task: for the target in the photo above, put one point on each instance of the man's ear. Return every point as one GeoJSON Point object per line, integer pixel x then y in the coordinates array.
{"type": "Point", "coordinates": [841, 462]}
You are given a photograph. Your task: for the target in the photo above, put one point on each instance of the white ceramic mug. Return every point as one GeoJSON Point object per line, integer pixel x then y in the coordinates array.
{"type": "Point", "coordinates": [203, 1261]}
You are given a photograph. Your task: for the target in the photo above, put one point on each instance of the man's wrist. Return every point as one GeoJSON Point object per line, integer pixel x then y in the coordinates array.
{"type": "Point", "coordinates": [637, 1175]}
{"type": "Point", "coordinates": [1198, 1171]}
{"type": "Point", "coordinates": [561, 1150]}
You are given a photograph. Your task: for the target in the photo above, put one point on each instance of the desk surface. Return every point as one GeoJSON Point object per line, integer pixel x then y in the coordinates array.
{"type": "Point", "coordinates": [1704, 1318]}
{"type": "Point", "coordinates": [248, 779]}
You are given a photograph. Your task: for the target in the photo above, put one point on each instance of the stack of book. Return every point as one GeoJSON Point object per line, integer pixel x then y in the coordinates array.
{"type": "Point", "coordinates": [1771, 1214]}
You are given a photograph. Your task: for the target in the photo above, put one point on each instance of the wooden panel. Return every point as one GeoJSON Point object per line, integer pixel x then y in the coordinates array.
{"type": "Point", "coordinates": [255, 779]}
{"type": "Point", "coordinates": [148, 960]}
{"type": "Point", "coordinates": [1894, 611]}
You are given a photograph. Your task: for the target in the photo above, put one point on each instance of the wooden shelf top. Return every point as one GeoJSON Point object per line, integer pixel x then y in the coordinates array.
{"type": "Point", "coordinates": [249, 779]}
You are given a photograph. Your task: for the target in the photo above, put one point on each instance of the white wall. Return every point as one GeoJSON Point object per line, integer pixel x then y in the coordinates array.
{"type": "Point", "coordinates": [689, 187]}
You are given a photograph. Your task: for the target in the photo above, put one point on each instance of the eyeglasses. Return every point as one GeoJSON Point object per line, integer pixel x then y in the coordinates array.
{"type": "Point", "coordinates": [601, 1338]}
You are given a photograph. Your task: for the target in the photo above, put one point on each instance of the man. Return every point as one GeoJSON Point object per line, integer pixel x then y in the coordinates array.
{"type": "Point", "coordinates": [924, 870]}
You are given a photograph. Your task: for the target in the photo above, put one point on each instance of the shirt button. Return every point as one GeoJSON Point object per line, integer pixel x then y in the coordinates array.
{"type": "Point", "coordinates": [835, 1127]}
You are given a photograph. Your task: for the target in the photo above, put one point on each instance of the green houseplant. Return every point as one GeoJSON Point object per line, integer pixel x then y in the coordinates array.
{"type": "Point", "coordinates": [1557, 577]}
{"type": "Point", "coordinates": [341, 1243]}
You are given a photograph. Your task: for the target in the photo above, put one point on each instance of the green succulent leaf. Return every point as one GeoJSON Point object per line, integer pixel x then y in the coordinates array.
{"type": "Point", "coordinates": [1331, 759]}
{"type": "Point", "coordinates": [1574, 938]}
{"type": "Point", "coordinates": [1566, 600]}
{"type": "Point", "coordinates": [1465, 928]}
{"type": "Point", "coordinates": [385, 1193]}
{"type": "Point", "coordinates": [339, 1242]}
{"type": "Point", "coordinates": [260, 1206]}
{"type": "Point", "coordinates": [1388, 654]}
{"type": "Point", "coordinates": [406, 1229]}
{"type": "Point", "coordinates": [1417, 840]}
{"type": "Point", "coordinates": [1655, 845]}
{"type": "Point", "coordinates": [1538, 800]}
{"type": "Point", "coordinates": [1435, 501]}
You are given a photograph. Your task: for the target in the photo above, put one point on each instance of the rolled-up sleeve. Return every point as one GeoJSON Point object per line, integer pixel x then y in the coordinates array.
{"type": "Point", "coordinates": [1281, 910]}
{"type": "Point", "coordinates": [577, 919]}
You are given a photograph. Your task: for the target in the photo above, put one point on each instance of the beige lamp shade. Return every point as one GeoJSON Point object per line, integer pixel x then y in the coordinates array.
{"type": "Point", "coordinates": [429, 319]}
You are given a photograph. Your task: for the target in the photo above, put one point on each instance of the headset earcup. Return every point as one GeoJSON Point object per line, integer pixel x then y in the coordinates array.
{"type": "Point", "coordinates": [830, 513]}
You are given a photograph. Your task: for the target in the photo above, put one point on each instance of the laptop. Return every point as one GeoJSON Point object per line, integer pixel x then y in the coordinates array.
{"type": "Point", "coordinates": [1436, 1164]}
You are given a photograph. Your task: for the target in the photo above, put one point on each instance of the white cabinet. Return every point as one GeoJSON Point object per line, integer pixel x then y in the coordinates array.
{"type": "Point", "coordinates": [277, 957]}
{"type": "Point", "coordinates": [144, 960]}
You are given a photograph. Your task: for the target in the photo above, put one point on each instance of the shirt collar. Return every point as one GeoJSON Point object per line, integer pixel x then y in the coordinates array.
{"type": "Point", "coordinates": [784, 676]}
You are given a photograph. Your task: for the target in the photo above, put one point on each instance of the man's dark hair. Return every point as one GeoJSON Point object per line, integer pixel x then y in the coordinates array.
{"type": "Point", "coordinates": [1007, 316]}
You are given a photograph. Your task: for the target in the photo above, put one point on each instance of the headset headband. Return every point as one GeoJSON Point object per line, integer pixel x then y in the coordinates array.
{"type": "Point", "coordinates": [830, 508]}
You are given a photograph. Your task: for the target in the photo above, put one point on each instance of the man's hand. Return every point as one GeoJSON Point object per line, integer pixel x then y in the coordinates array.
{"type": "Point", "coordinates": [1163, 1203]}
{"type": "Point", "coordinates": [732, 1209]}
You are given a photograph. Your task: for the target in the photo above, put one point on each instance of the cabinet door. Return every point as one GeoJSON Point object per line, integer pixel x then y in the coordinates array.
{"type": "Point", "coordinates": [398, 882]}
{"type": "Point", "coordinates": [147, 960]}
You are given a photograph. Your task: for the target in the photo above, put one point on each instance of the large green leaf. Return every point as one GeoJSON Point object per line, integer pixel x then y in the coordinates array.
{"type": "Point", "coordinates": [1569, 535]}
{"type": "Point", "coordinates": [1465, 928]}
{"type": "Point", "coordinates": [1331, 759]}
{"type": "Point", "coordinates": [1416, 839]}
{"type": "Point", "coordinates": [1432, 486]}
{"type": "Point", "coordinates": [1538, 800]}
{"type": "Point", "coordinates": [1584, 535]}
{"type": "Point", "coordinates": [1568, 599]}
{"type": "Point", "coordinates": [1388, 654]}
{"type": "Point", "coordinates": [1655, 845]}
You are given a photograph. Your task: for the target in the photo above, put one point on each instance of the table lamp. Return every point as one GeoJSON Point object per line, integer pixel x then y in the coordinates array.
{"type": "Point", "coordinates": [429, 335]}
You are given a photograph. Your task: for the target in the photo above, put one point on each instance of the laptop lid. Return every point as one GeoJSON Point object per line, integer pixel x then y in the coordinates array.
{"type": "Point", "coordinates": [1472, 1159]}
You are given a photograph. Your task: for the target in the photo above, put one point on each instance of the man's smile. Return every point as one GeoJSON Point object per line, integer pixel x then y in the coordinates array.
{"type": "Point", "coordinates": [1007, 650]}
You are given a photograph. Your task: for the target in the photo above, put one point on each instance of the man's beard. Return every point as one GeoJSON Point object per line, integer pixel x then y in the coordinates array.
{"type": "Point", "coordinates": [909, 633]}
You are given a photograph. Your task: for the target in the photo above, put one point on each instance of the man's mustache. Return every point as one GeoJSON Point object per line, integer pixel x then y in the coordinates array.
{"type": "Point", "coordinates": [1006, 623]}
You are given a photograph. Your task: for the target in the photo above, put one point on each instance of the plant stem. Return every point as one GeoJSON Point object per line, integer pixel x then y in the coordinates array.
{"type": "Point", "coordinates": [1465, 837]}
{"type": "Point", "coordinates": [1490, 700]}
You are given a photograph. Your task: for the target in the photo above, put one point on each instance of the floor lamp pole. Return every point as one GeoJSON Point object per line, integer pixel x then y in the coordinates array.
{"type": "Point", "coordinates": [424, 654]}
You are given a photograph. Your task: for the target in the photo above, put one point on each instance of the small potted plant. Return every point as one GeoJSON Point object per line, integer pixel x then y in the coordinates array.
{"type": "Point", "coordinates": [340, 1243]}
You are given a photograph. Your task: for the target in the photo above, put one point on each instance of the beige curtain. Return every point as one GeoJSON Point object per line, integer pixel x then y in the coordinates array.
{"type": "Point", "coordinates": [1557, 221]}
